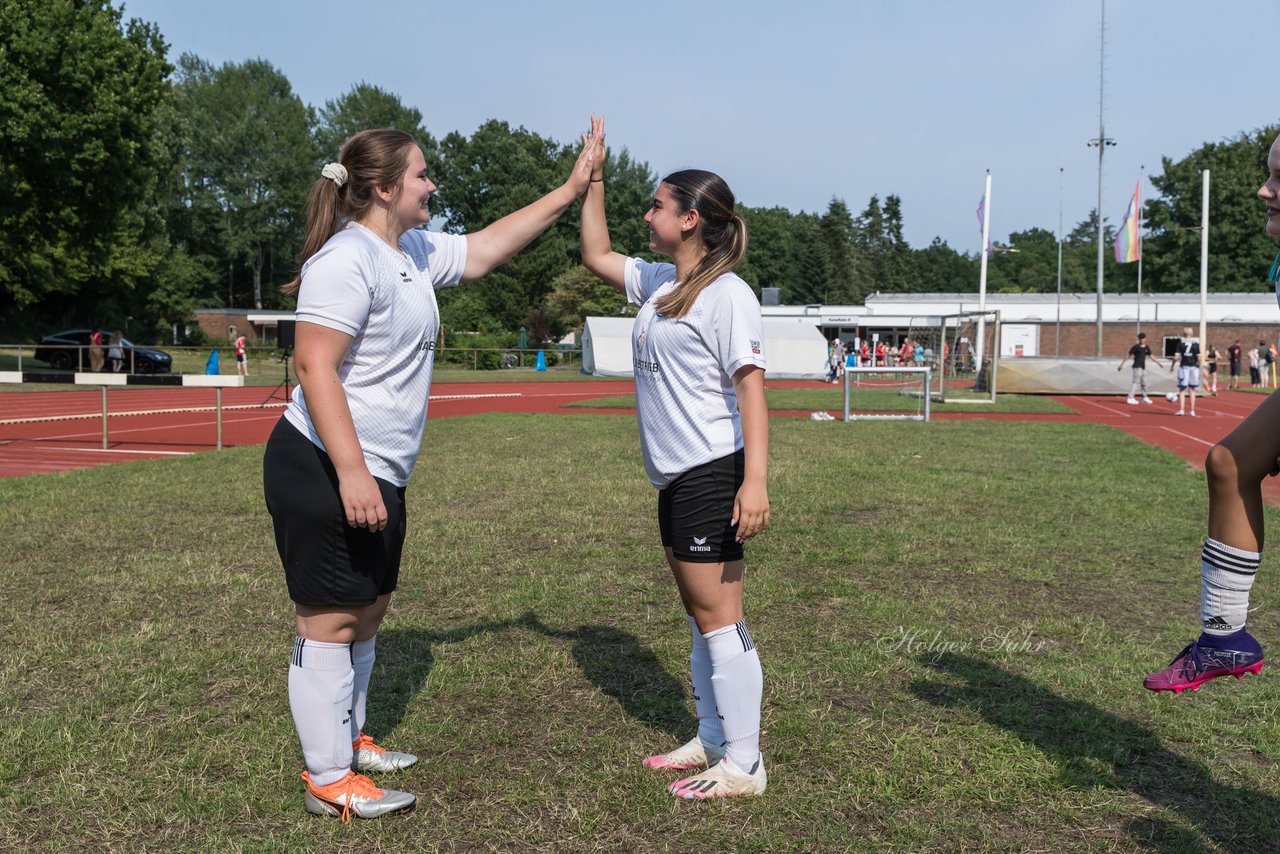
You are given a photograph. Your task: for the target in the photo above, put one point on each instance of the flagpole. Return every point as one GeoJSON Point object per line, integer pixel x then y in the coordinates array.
{"type": "Point", "coordinates": [1204, 259]}
{"type": "Point", "coordinates": [1138, 322]}
{"type": "Point", "coordinates": [982, 274]}
{"type": "Point", "coordinates": [1057, 328]}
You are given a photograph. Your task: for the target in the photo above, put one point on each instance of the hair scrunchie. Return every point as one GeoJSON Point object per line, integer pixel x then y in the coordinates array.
{"type": "Point", "coordinates": [335, 172]}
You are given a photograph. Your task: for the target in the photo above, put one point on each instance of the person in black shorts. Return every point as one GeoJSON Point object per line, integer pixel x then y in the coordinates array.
{"type": "Point", "coordinates": [698, 349]}
{"type": "Point", "coordinates": [1233, 364]}
{"type": "Point", "coordinates": [337, 463]}
{"type": "Point", "coordinates": [1211, 357]}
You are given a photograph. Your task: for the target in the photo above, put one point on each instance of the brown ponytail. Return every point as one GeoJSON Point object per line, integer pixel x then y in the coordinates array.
{"type": "Point", "coordinates": [724, 234]}
{"type": "Point", "coordinates": [372, 159]}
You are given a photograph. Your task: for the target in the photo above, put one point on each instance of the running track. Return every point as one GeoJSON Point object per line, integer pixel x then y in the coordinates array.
{"type": "Point", "coordinates": [56, 431]}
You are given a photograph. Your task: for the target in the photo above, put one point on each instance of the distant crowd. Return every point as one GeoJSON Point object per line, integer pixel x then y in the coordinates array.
{"type": "Point", "coordinates": [860, 353]}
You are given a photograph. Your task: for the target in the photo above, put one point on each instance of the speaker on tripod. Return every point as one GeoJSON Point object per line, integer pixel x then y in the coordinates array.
{"type": "Point", "coordinates": [285, 331]}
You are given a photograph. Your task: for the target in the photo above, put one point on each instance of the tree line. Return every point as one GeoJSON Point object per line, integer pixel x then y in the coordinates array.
{"type": "Point", "coordinates": [132, 186]}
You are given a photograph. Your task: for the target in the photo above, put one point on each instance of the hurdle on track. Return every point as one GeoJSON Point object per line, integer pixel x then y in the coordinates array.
{"type": "Point", "coordinates": [214, 381]}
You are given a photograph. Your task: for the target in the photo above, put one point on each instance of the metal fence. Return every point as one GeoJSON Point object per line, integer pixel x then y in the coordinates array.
{"type": "Point", "coordinates": [195, 360]}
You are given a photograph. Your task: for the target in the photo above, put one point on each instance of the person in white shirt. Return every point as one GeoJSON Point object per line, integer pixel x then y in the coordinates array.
{"type": "Point", "coordinates": [337, 463]}
{"type": "Point", "coordinates": [698, 352]}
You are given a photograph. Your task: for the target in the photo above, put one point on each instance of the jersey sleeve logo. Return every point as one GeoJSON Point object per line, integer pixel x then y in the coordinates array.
{"type": "Point", "coordinates": [755, 346]}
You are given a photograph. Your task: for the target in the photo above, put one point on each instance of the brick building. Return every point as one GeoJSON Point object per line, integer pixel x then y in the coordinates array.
{"type": "Point", "coordinates": [257, 326]}
{"type": "Point", "coordinates": [1043, 325]}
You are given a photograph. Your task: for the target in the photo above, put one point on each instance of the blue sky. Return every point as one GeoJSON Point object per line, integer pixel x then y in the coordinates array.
{"type": "Point", "coordinates": [798, 101]}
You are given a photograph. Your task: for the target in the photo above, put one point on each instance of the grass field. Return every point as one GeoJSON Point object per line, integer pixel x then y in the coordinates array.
{"type": "Point", "coordinates": [831, 399]}
{"type": "Point", "coordinates": [954, 620]}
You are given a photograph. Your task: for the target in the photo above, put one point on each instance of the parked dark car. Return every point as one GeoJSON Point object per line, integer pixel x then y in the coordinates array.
{"type": "Point", "coordinates": [65, 351]}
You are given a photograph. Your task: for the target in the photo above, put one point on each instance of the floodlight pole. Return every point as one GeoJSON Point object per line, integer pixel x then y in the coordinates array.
{"type": "Point", "coordinates": [1101, 142]}
{"type": "Point", "coordinates": [1204, 260]}
{"type": "Point", "coordinates": [982, 273]}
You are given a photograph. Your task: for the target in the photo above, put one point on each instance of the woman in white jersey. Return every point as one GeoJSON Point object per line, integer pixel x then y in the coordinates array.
{"type": "Point", "coordinates": [337, 463]}
{"type": "Point", "coordinates": [1232, 550]}
{"type": "Point", "coordinates": [699, 364]}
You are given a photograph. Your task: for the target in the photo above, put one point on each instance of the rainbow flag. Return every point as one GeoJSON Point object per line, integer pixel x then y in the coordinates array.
{"type": "Point", "coordinates": [1128, 242]}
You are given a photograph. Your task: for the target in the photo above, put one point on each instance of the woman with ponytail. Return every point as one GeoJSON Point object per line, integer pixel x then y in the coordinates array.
{"type": "Point", "coordinates": [337, 463]}
{"type": "Point", "coordinates": [698, 346]}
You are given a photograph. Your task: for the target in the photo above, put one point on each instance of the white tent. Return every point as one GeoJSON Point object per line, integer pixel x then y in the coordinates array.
{"type": "Point", "coordinates": [794, 348]}
{"type": "Point", "coordinates": [606, 346]}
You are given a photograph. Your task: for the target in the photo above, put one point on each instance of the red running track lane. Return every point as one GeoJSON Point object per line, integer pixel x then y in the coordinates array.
{"type": "Point", "coordinates": [44, 432]}
{"type": "Point", "coordinates": [57, 431]}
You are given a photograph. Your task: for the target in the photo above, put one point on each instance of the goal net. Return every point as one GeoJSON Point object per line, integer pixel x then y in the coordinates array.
{"type": "Point", "coordinates": [966, 350]}
{"type": "Point", "coordinates": [887, 393]}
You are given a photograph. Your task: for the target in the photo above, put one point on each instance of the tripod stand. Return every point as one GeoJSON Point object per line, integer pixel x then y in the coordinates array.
{"type": "Point", "coordinates": [284, 384]}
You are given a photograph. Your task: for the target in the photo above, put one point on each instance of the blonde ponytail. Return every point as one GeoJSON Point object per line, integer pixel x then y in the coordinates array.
{"type": "Point", "coordinates": [370, 159]}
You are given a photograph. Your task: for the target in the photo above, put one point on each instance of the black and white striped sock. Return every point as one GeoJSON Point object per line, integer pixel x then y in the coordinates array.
{"type": "Point", "coordinates": [1226, 576]}
{"type": "Point", "coordinates": [320, 687]}
{"type": "Point", "coordinates": [738, 683]}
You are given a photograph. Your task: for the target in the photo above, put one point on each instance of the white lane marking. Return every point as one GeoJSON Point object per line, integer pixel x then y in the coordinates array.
{"type": "Point", "coordinates": [1106, 409]}
{"type": "Point", "coordinates": [1188, 436]}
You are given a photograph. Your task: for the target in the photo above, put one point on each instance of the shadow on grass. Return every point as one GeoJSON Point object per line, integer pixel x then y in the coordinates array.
{"type": "Point", "coordinates": [621, 667]}
{"type": "Point", "coordinates": [1092, 747]}
{"type": "Point", "coordinates": [613, 660]}
{"type": "Point", "coordinates": [405, 657]}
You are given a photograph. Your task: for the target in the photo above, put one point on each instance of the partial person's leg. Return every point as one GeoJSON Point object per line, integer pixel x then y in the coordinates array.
{"type": "Point", "coordinates": [710, 727]}
{"type": "Point", "coordinates": [713, 596]}
{"type": "Point", "coordinates": [363, 654]}
{"type": "Point", "coordinates": [321, 683]}
{"type": "Point", "coordinates": [1231, 555]}
{"type": "Point", "coordinates": [368, 754]}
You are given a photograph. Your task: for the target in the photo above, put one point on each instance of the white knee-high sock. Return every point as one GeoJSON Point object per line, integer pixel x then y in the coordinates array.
{"type": "Point", "coordinates": [1226, 576]}
{"type": "Point", "coordinates": [738, 683]}
{"type": "Point", "coordinates": [362, 656]}
{"type": "Point", "coordinates": [320, 686]}
{"type": "Point", "coordinates": [710, 731]}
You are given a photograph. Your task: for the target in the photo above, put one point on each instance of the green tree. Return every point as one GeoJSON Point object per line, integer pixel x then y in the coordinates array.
{"type": "Point", "coordinates": [79, 93]}
{"type": "Point", "coordinates": [811, 277]}
{"type": "Point", "coordinates": [837, 229]}
{"type": "Point", "coordinates": [1239, 249]}
{"type": "Point", "coordinates": [769, 261]}
{"type": "Point", "coordinates": [939, 269]}
{"type": "Point", "coordinates": [498, 170]}
{"type": "Point", "coordinates": [896, 273]}
{"type": "Point", "coordinates": [577, 294]}
{"type": "Point", "coordinates": [871, 247]}
{"type": "Point", "coordinates": [367, 106]}
{"type": "Point", "coordinates": [250, 160]}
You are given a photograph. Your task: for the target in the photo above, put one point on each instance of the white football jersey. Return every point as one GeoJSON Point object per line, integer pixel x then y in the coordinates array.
{"type": "Point", "coordinates": [386, 300]}
{"type": "Point", "coordinates": [685, 401]}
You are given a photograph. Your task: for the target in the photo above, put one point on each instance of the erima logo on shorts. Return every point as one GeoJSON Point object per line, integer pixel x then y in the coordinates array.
{"type": "Point", "coordinates": [699, 545]}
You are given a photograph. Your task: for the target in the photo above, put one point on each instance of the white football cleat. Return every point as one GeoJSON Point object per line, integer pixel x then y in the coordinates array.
{"type": "Point", "coordinates": [722, 780]}
{"type": "Point", "coordinates": [693, 754]}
